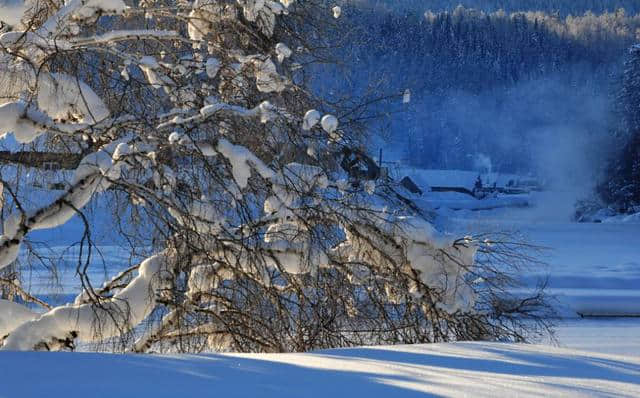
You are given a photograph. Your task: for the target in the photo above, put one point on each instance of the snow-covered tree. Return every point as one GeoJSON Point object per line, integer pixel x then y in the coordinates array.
{"type": "Point", "coordinates": [194, 120]}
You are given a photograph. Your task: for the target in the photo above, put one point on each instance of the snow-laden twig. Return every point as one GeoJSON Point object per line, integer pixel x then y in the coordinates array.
{"type": "Point", "coordinates": [120, 35]}
{"type": "Point", "coordinates": [95, 322]}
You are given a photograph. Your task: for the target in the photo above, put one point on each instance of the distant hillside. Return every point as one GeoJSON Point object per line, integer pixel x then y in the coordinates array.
{"type": "Point", "coordinates": [562, 7]}
{"type": "Point", "coordinates": [530, 90]}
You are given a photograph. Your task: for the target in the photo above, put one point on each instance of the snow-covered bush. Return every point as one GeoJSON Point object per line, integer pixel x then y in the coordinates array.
{"type": "Point", "coordinates": [193, 118]}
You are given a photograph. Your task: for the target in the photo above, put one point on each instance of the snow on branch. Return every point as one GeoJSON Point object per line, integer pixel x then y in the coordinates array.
{"type": "Point", "coordinates": [121, 35]}
{"type": "Point", "coordinates": [95, 322]}
{"type": "Point", "coordinates": [27, 122]}
{"type": "Point", "coordinates": [12, 315]}
{"type": "Point", "coordinates": [79, 9]}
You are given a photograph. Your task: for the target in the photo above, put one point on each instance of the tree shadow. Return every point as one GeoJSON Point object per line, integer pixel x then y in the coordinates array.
{"type": "Point", "coordinates": [506, 359]}
{"type": "Point", "coordinates": [70, 375]}
{"type": "Point", "coordinates": [408, 371]}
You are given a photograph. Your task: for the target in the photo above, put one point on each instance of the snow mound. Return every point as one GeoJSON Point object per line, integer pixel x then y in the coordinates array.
{"type": "Point", "coordinates": [457, 370]}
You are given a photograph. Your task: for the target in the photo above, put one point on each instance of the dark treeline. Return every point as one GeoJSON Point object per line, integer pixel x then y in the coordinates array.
{"type": "Point", "coordinates": [620, 185]}
{"type": "Point", "coordinates": [530, 90]}
{"type": "Point", "coordinates": [559, 7]}
{"type": "Point", "coordinates": [475, 51]}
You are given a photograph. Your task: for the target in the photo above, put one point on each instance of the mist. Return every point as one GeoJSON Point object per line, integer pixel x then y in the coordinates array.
{"type": "Point", "coordinates": [548, 126]}
{"type": "Point", "coordinates": [551, 128]}
{"type": "Point", "coordinates": [527, 93]}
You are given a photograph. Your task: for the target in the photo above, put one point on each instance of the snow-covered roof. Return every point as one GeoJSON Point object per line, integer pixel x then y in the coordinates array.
{"type": "Point", "coordinates": [426, 178]}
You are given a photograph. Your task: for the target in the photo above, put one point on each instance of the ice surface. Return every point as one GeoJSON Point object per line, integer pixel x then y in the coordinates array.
{"type": "Point", "coordinates": [592, 268]}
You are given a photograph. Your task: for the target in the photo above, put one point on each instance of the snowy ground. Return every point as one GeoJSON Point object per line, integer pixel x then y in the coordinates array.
{"type": "Point", "coordinates": [462, 369]}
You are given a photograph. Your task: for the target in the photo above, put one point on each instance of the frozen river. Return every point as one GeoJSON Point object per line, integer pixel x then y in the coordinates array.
{"type": "Point", "coordinates": [591, 268]}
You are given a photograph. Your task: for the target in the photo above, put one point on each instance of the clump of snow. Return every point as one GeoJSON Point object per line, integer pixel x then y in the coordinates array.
{"type": "Point", "coordinates": [441, 263]}
{"type": "Point", "coordinates": [302, 177]}
{"type": "Point", "coordinates": [206, 149]}
{"type": "Point", "coordinates": [64, 97]}
{"type": "Point", "coordinates": [174, 137]}
{"type": "Point", "coordinates": [122, 150]}
{"type": "Point", "coordinates": [267, 78]}
{"type": "Point", "coordinates": [93, 7]}
{"type": "Point", "coordinates": [27, 122]}
{"type": "Point", "coordinates": [291, 257]}
{"type": "Point", "coordinates": [203, 16]}
{"type": "Point", "coordinates": [276, 8]}
{"type": "Point", "coordinates": [164, 178]}
{"type": "Point", "coordinates": [329, 123]}
{"type": "Point", "coordinates": [311, 151]}
{"type": "Point", "coordinates": [11, 121]}
{"type": "Point", "coordinates": [251, 8]}
{"type": "Point", "coordinates": [242, 160]}
{"type": "Point", "coordinates": [125, 73]}
{"type": "Point", "coordinates": [343, 184]}
{"type": "Point", "coordinates": [288, 242]}
{"type": "Point", "coordinates": [198, 27]}
{"type": "Point", "coordinates": [268, 111]}
{"type": "Point", "coordinates": [290, 183]}
{"type": "Point", "coordinates": [9, 248]}
{"type": "Point", "coordinates": [282, 51]}
{"type": "Point", "coordinates": [311, 118]}
{"type": "Point", "coordinates": [149, 66]}
{"type": "Point", "coordinates": [263, 12]}
{"type": "Point", "coordinates": [204, 278]}
{"type": "Point", "coordinates": [97, 163]}
{"type": "Point", "coordinates": [13, 315]}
